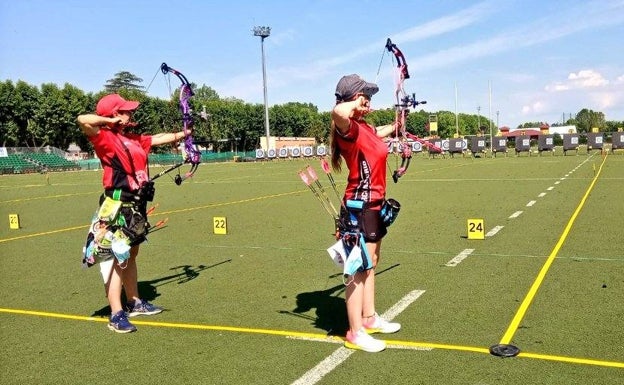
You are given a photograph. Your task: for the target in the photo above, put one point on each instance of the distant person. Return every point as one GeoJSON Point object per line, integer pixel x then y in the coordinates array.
{"type": "Point", "coordinates": [120, 224]}
{"type": "Point", "coordinates": [365, 154]}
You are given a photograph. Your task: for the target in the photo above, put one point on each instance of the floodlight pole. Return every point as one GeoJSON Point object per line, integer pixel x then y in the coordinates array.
{"type": "Point", "coordinates": [264, 32]}
{"type": "Point", "coordinates": [490, 116]}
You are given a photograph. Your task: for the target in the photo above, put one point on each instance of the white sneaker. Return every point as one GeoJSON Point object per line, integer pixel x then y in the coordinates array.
{"type": "Point", "coordinates": [380, 325]}
{"type": "Point", "coordinates": [362, 341]}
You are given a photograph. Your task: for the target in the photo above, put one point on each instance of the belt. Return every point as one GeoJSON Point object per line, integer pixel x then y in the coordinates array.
{"type": "Point", "coordinates": [121, 195]}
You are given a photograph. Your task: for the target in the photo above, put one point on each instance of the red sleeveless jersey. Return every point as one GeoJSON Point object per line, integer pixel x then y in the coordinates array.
{"type": "Point", "coordinates": [365, 155]}
{"type": "Point", "coordinates": [123, 158]}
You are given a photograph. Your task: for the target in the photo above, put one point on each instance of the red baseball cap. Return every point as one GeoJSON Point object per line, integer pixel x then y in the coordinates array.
{"type": "Point", "coordinates": [109, 104]}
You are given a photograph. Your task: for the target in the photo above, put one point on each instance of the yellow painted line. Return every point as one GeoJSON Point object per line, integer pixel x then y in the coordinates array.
{"type": "Point", "coordinates": [47, 197]}
{"type": "Point", "coordinates": [573, 360]}
{"type": "Point", "coordinates": [158, 214]}
{"type": "Point", "coordinates": [43, 233]}
{"type": "Point", "coordinates": [515, 323]}
{"type": "Point", "coordinates": [398, 344]}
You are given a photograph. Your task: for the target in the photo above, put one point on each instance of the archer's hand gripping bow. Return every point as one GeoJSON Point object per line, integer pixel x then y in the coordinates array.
{"type": "Point", "coordinates": [192, 155]}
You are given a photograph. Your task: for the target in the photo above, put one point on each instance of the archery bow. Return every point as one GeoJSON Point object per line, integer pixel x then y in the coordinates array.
{"type": "Point", "coordinates": [192, 155]}
{"type": "Point", "coordinates": [403, 103]}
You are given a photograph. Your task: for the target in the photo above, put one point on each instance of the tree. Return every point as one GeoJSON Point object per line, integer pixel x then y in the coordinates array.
{"type": "Point", "coordinates": [588, 119]}
{"type": "Point", "coordinates": [123, 80]}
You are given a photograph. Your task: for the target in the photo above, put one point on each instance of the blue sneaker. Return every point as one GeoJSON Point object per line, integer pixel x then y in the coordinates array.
{"type": "Point", "coordinates": [143, 308]}
{"type": "Point", "coordinates": [119, 323]}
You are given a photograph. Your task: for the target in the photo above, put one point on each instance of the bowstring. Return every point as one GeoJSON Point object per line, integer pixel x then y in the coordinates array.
{"type": "Point", "coordinates": [167, 80]}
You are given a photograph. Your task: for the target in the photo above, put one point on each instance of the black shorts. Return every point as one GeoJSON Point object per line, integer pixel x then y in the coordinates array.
{"type": "Point", "coordinates": [369, 223]}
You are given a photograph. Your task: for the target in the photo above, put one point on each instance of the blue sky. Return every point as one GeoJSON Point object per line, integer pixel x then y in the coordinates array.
{"type": "Point", "coordinates": [541, 59]}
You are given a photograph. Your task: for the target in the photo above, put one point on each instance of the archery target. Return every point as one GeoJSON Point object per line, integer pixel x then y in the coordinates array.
{"type": "Point", "coordinates": [477, 144]}
{"type": "Point", "coordinates": [416, 146]}
{"type": "Point", "coordinates": [523, 143]}
{"type": "Point", "coordinates": [308, 151]}
{"type": "Point", "coordinates": [437, 143]}
{"type": "Point", "coordinates": [499, 144]}
{"type": "Point", "coordinates": [445, 145]}
{"type": "Point", "coordinates": [617, 140]}
{"type": "Point", "coordinates": [545, 142]}
{"type": "Point", "coordinates": [570, 141]}
{"type": "Point", "coordinates": [259, 153]}
{"type": "Point", "coordinates": [456, 145]}
{"type": "Point", "coordinates": [321, 151]}
{"type": "Point", "coordinates": [282, 152]}
{"type": "Point", "coordinates": [295, 152]}
{"type": "Point", "coordinates": [594, 140]}
{"type": "Point", "coordinates": [272, 153]}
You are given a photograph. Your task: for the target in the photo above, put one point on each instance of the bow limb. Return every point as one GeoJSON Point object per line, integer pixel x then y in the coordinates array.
{"type": "Point", "coordinates": [403, 104]}
{"type": "Point", "coordinates": [192, 155]}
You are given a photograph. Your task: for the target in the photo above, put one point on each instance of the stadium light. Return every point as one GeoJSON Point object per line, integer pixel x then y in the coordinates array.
{"type": "Point", "coordinates": [264, 32]}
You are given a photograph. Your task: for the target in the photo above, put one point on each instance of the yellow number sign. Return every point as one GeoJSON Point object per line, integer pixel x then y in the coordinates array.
{"type": "Point", "coordinates": [476, 229]}
{"type": "Point", "coordinates": [14, 221]}
{"type": "Point", "coordinates": [219, 225]}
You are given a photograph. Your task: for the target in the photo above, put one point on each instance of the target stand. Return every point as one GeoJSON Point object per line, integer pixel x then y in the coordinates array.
{"type": "Point", "coordinates": [504, 350]}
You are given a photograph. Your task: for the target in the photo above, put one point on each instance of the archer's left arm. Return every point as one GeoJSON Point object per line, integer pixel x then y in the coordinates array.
{"type": "Point", "coordinates": [168, 137]}
{"type": "Point", "coordinates": [383, 131]}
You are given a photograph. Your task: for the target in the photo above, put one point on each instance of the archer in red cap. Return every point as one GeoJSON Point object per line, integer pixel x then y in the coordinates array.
{"type": "Point", "coordinates": [115, 235]}
{"type": "Point", "coordinates": [110, 104]}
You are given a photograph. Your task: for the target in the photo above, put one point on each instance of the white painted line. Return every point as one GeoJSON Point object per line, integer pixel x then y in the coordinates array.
{"type": "Point", "coordinates": [459, 257]}
{"type": "Point", "coordinates": [531, 203]}
{"type": "Point", "coordinates": [541, 195]}
{"type": "Point", "coordinates": [495, 230]}
{"type": "Point", "coordinates": [515, 215]}
{"type": "Point", "coordinates": [341, 354]}
{"type": "Point", "coordinates": [550, 188]}
{"type": "Point", "coordinates": [324, 367]}
{"type": "Point", "coordinates": [557, 182]}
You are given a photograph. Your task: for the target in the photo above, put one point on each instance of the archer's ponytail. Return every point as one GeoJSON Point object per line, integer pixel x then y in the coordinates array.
{"type": "Point", "coordinates": [336, 159]}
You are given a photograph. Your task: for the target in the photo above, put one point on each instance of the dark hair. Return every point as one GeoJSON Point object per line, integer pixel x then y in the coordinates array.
{"type": "Point", "coordinates": [336, 160]}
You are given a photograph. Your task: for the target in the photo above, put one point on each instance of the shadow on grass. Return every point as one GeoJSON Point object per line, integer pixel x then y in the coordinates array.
{"type": "Point", "coordinates": [331, 309]}
{"type": "Point", "coordinates": [148, 289]}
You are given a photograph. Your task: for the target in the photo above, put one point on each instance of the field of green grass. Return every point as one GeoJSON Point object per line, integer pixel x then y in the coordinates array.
{"type": "Point", "coordinates": [264, 304]}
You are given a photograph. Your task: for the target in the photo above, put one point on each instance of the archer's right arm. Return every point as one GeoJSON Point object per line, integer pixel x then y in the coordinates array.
{"type": "Point", "coordinates": [90, 123]}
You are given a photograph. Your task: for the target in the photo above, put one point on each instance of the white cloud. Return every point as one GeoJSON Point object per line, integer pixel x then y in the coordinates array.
{"type": "Point", "coordinates": [533, 108]}
{"type": "Point", "coordinates": [583, 79]}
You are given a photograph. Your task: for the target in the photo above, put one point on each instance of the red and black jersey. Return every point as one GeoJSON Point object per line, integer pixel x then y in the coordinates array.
{"type": "Point", "coordinates": [123, 158]}
{"type": "Point", "coordinates": [365, 155]}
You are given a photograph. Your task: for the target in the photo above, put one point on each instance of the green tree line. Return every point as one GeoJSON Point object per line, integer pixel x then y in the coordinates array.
{"type": "Point", "coordinates": [32, 116]}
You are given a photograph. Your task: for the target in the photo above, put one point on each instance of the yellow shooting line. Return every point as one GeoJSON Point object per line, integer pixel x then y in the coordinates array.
{"type": "Point", "coordinates": [317, 337]}
{"type": "Point", "coordinates": [46, 197]}
{"type": "Point", "coordinates": [162, 213]}
{"type": "Point", "coordinates": [515, 323]}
